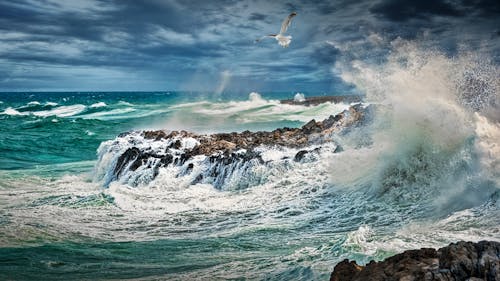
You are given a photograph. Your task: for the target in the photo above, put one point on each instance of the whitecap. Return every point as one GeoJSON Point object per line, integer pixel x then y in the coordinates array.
{"type": "Point", "coordinates": [11, 111]}
{"type": "Point", "coordinates": [62, 111]}
{"type": "Point", "coordinates": [98, 104]}
{"type": "Point", "coordinates": [125, 103]}
{"type": "Point", "coordinates": [108, 115]}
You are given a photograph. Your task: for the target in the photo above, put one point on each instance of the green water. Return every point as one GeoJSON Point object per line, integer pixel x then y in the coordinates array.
{"type": "Point", "coordinates": [57, 222]}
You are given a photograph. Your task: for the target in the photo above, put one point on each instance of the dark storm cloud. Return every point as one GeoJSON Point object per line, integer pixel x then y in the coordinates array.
{"type": "Point", "coordinates": [402, 10]}
{"type": "Point", "coordinates": [257, 16]}
{"type": "Point", "coordinates": [489, 8]}
{"type": "Point", "coordinates": [323, 55]}
{"type": "Point", "coordinates": [164, 45]}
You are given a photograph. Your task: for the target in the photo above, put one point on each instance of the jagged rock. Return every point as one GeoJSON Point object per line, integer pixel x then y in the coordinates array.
{"type": "Point", "coordinates": [459, 261]}
{"type": "Point", "coordinates": [345, 270]}
{"type": "Point", "coordinates": [312, 127]}
{"type": "Point", "coordinates": [238, 150]}
{"type": "Point", "coordinates": [130, 154]}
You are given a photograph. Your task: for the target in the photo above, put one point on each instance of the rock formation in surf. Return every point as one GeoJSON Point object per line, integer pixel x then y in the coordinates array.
{"type": "Point", "coordinates": [225, 160]}
{"type": "Point", "coordinates": [310, 101]}
{"type": "Point", "coordinates": [459, 261]}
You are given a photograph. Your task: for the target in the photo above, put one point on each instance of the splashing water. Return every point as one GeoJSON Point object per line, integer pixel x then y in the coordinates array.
{"type": "Point", "coordinates": [434, 143]}
{"type": "Point", "coordinates": [423, 173]}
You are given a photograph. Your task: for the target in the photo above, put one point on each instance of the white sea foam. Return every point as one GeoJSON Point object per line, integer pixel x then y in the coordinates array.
{"type": "Point", "coordinates": [488, 145]}
{"type": "Point", "coordinates": [61, 111]}
{"type": "Point", "coordinates": [118, 113]}
{"type": "Point", "coordinates": [12, 111]}
{"type": "Point", "coordinates": [98, 104]}
{"type": "Point", "coordinates": [424, 128]}
{"type": "Point", "coordinates": [299, 97]}
{"type": "Point", "coordinates": [189, 143]}
{"type": "Point", "coordinates": [125, 103]}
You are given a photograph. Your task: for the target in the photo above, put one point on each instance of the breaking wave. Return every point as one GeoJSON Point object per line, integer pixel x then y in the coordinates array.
{"type": "Point", "coordinates": [423, 172]}
{"type": "Point", "coordinates": [431, 152]}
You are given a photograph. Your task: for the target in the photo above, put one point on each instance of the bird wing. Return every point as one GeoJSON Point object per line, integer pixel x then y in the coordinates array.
{"type": "Point", "coordinates": [286, 22]}
{"type": "Point", "coordinates": [264, 37]}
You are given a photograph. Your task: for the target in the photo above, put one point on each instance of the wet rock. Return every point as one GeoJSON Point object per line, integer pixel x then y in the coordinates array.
{"type": "Point", "coordinates": [225, 150]}
{"type": "Point", "coordinates": [300, 155]}
{"type": "Point", "coordinates": [345, 271]}
{"type": "Point", "coordinates": [157, 135]}
{"type": "Point", "coordinates": [459, 261]}
{"type": "Point", "coordinates": [311, 127]}
{"type": "Point", "coordinates": [129, 155]}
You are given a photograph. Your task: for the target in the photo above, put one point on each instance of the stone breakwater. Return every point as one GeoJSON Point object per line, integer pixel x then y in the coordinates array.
{"type": "Point", "coordinates": [310, 101]}
{"type": "Point", "coordinates": [459, 261]}
{"type": "Point", "coordinates": [225, 160]}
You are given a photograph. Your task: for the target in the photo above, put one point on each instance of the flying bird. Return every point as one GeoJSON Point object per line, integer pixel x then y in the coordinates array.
{"type": "Point", "coordinates": [283, 40]}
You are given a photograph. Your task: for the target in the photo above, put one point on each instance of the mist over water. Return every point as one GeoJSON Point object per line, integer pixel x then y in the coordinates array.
{"type": "Point", "coordinates": [423, 173]}
{"type": "Point", "coordinates": [433, 144]}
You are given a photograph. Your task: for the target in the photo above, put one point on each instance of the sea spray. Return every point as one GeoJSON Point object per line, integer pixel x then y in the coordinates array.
{"type": "Point", "coordinates": [254, 113]}
{"type": "Point", "coordinates": [433, 143]}
{"type": "Point", "coordinates": [299, 220]}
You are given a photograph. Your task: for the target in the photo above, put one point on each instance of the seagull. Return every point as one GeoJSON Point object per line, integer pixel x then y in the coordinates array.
{"type": "Point", "coordinates": [283, 40]}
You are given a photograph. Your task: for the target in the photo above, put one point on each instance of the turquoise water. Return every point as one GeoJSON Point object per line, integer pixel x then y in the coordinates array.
{"type": "Point", "coordinates": [51, 128]}
{"type": "Point", "coordinates": [48, 149]}
{"type": "Point", "coordinates": [391, 188]}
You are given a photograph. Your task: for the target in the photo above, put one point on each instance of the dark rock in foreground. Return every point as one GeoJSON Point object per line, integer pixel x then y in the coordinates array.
{"type": "Point", "coordinates": [460, 261]}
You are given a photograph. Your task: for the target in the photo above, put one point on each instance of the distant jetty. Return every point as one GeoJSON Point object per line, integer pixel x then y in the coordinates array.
{"type": "Point", "coordinates": [308, 101]}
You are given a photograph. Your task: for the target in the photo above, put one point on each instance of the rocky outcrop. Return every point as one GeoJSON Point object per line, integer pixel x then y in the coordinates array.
{"type": "Point", "coordinates": [137, 157]}
{"type": "Point", "coordinates": [308, 101]}
{"type": "Point", "coordinates": [459, 261]}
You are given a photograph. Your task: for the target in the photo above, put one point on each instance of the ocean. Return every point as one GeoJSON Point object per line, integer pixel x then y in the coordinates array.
{"type": "Point", "coordinates": [424, 173]}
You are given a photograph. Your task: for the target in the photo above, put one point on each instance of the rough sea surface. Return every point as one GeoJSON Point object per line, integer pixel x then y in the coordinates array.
{"type": "Point", "coordinates": [425, 172]}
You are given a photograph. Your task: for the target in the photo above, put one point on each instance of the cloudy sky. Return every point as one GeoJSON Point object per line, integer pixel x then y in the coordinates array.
{"type": "Point", "coordinates": [192, 45]}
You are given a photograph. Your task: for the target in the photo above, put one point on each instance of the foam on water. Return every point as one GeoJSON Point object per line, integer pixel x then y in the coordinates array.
{"type": "Point", "coordinates": [425, 173]}
{"type": "Point", "coordinates": [11, 111]}
{"type": "Point", "coordinates": [98, 104]}
{"type": "Point", "coordinates": [61, 111]}
{"type": "Point", "coordinates": [114, 114]}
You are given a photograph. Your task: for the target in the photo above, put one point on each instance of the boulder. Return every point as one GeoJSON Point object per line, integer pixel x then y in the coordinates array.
{"type": "Point", "coordinates": [459, 261]}
{"type": "Point", "coordinates": [148, 151]}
